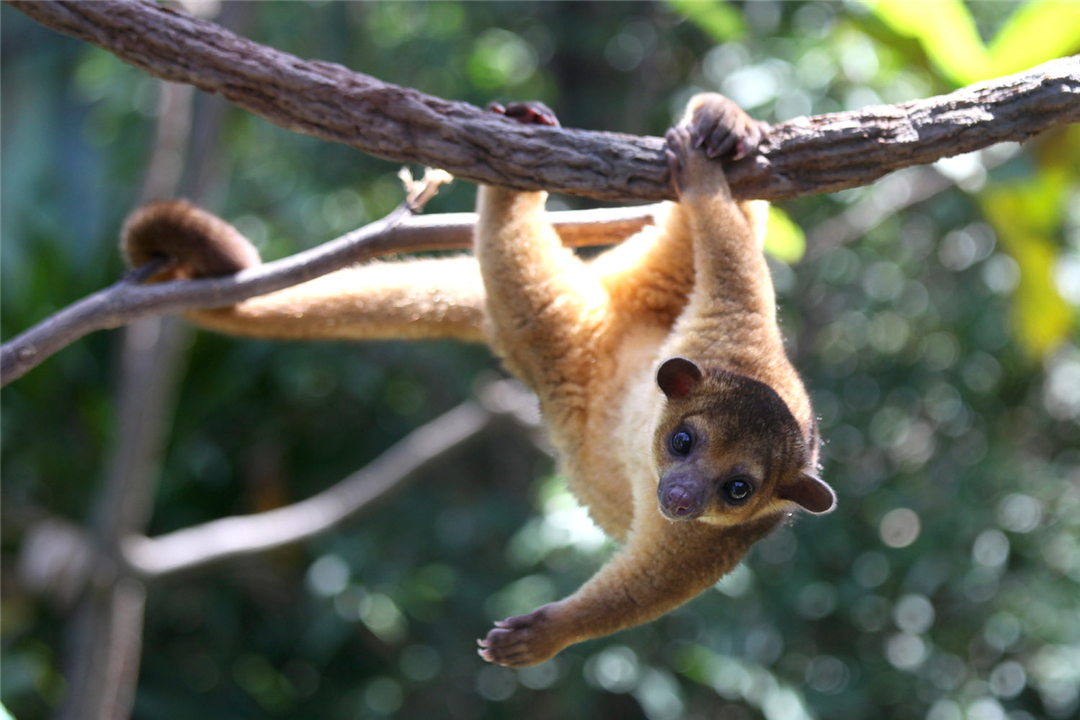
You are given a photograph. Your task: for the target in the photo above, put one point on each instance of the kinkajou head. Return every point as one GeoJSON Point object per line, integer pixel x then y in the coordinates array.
{"type": "Point", "coordinates": [728, 450]}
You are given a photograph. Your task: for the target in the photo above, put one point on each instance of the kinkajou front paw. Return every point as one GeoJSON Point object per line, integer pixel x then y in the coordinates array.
{"type": "Point", "coordinates": [693, 174]}
{"type": "Point", "coordinates": [522, 640]}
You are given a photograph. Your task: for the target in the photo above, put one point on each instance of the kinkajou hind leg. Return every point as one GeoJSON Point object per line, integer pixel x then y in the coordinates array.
{"type": "Point", "coordinates": [543, 303]}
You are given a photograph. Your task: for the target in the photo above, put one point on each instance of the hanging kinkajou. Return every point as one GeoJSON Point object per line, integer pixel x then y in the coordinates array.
{"type": "Point", "coordinates": [676, 415]}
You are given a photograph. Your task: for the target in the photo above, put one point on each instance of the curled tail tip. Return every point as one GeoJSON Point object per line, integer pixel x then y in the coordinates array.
{"type": "Point", "coordinates": [199, 243]}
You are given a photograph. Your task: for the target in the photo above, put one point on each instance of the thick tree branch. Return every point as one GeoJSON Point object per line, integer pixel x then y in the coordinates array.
{"type": "Point", "coordinates": [803, 156]}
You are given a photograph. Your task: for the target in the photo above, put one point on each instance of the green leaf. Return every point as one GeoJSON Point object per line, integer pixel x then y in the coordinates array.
{"type": "Point", "coordinates": [947, 33]}
{"type": "Point", "coordinates": [784, 240]}
{"type": "Point", "coordinates": [719, 19]}
{"type": "Point", "coordinates": [1035, 33]}
{"type": "Point", "coordinates": [1025, 216]}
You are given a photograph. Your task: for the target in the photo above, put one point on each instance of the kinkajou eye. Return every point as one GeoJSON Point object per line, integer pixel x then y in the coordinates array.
{"type": "Point", "coordinates": [682, 441]}
{"type": "Point", "coordinates": [738, 489]}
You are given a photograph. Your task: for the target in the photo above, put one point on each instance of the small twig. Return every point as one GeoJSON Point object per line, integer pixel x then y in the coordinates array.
{"type": "Point", "coordinates": [231, 537]}
{"type": "Point", "coordinates": [418, 192]}
{"type": "Point", "coordinates": [144, 272]}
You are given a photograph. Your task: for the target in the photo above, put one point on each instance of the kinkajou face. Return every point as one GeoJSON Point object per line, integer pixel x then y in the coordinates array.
{"type": "Point", "coordinates": [727, 449]}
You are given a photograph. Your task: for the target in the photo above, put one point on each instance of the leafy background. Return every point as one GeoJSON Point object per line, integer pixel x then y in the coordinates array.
{"type": "Point", "coordinates": [941, 348]}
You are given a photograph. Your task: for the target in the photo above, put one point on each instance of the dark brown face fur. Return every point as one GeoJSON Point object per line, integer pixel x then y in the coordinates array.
{"type": "Point", "coordinates": [724, 448]}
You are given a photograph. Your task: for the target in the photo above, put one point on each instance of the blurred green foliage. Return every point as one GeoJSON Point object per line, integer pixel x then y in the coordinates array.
{"type": "Point", "coordinates": [950, 35]}
{"type": "Point", "coordinates": [941, 350]}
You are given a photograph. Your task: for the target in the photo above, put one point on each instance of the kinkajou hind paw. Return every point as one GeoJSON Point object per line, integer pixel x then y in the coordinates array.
{"type": "Point", "coordinates": [527, 113]}
{"type": "Point", "coordinates": [723, 128]}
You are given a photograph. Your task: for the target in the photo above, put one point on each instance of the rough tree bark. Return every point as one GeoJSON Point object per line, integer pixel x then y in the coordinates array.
{"type": "Point", "coordinates": [803, 156]}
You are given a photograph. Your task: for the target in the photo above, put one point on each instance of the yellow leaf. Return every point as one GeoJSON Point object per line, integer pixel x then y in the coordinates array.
{"type": "Point", "coordinates": [784, 240]}
{"type": "Point", "coordinates": [1035, 33]}
{"type": "Point", "coordinates": [719, 19]}
{"type": "Point", "coordinates": [1025, 216]}
{"type": "Point", "coordinates": [947, 33]}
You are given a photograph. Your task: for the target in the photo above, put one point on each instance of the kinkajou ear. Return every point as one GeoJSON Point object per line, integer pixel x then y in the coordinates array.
{"type": "Point", "coordinates": [678, 377]}
{"type": "Point", "coordinates": [809, 492]}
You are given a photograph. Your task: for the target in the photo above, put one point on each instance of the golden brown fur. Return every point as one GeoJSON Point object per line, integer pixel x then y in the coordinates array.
{"type": "Point", "coordinates": [198, 243]}
{"type": "Point", "coordinates": [406, 299]}
{"type": "Point", "coordinates": [691, 296]}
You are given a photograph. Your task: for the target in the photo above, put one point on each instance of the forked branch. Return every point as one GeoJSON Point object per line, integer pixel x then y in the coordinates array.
{"type": "Point", "coordinates": [501, 405]}
{"type": "Point", "coordinates": [242, 535]}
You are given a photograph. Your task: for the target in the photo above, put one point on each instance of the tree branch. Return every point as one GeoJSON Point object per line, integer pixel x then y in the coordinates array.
{"type": "Point", "coordinates": [103, 641]}
{"type": "Point", "coordinates": [230, 537]}
{"type": "Point", "coordinates": [803, 156]}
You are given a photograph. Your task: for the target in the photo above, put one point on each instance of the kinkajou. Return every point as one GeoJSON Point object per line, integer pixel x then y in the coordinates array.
{"type": "Point", "coordinates": [678, 420]}
{"type": "Point", "coordinates": [677, 417]}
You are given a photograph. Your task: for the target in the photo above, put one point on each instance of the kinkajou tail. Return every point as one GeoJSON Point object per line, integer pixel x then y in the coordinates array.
{"type": "Point", "coordinates": [408, 299]}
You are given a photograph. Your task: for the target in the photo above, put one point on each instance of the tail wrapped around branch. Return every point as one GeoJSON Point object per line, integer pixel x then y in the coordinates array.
{"type": "Point", "coordinates": [408, 299]}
